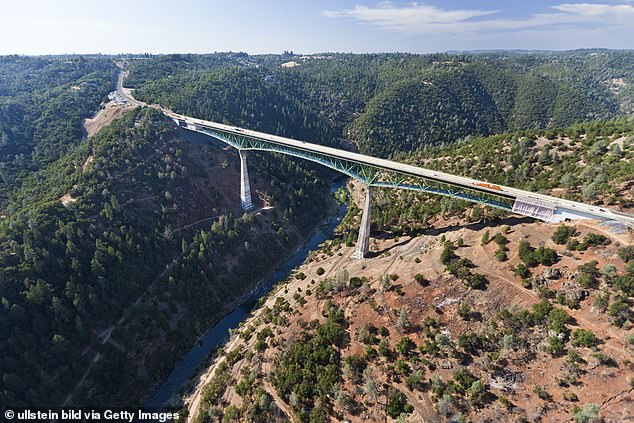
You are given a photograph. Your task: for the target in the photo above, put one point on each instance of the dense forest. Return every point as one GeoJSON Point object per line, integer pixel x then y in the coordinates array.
{"type": "Point", "coordinates": [43, 101]}
{"type": "Point", "coordinates": [386, 103]}
{"type": "Point", "coordinates": [70, 270]}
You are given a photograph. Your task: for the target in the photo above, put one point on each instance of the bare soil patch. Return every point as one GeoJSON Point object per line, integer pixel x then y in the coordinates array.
{"type": "Point", "coordinates": [104, 117]}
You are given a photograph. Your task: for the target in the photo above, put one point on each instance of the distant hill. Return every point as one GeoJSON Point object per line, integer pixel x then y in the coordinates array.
{"type": "Point", "coordinates": [387, 103]}
{"type": "Point", "coordinates": [43, 102]}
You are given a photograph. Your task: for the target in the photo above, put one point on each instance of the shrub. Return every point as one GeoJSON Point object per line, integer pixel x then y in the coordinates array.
{"type": "Point", "coordinates": [625, 282]}
{"type": "Point", "coordinates": [477, 281]}
{"type": "Point", "coordinates": [602, 300]}
{"type": "Point", "coordinates": [522, 271]}
{"type": "Point", "coordinates": [620, 311]}
{"type": "Point", "coordinates": [464, 380]}
{"type": "Point", "coordinates": [397, 403]}
{"type": "Point", "coordinates": [563, 234]}
{"type": "Point", "coordinates": [477, 393]}
{"type": "Point", "coordinates": [609, 270]}
{"type": "Point", "coordinates": [525, 252]}
{"type": "Point", "coordinates": [542, 393]}
{"type": "Point", "coordinates": [555, 346]}
{"type": "Point", "coordinates": [570, 396]}
{"type": "Point", "coordinates": [532, 257]}
{"type": "Point", "coordinates": [415, 380]}
{"type": "Point", "coordinates": [464, 311]}
{"type": "Point", "coordinates": [260, 345]}
{"type": "Point", "coordinates": [584, 338]}
{"type": "Point", "coordinates": [574, 245]}
{"type": "Point", "coordinates": [627, 253]}
{"type": "Point", "coordinates": [384, 349]}
{"type": "Point", "coordinates": [557, 318]}
{"type": "Point", "coordinates": [405, 346]}
{"type": "Point", "coordinates": [541, 310]}
{"type": "Point", "coordinates": [505, 402]}
{"type": "Point", "coordinates": [448, 254]}
{"type": "Point", "coordinates": [589, 414]}
{"type": "Point", "coordinates": [501, 255]}
{"type": "Point", "coordinates": [485, 238]}
{"type": "Point", "coordinates": [592, 240]}
{"type": "Point", "coordinates": [590, 267]}
{"type": "Point", "coordinates": [320, 271]}
{"type": "Point", "coordinates": [403, 319]}
{"type": "Point", "coordinates": [500, 240]}
{"type": "Point", "coordinates": [586, 280]}
{"type": "Point", "coordinates": [421, 279]}
{"type": "Point", "coordinates": [356, 282]}
{"type": "Point", "coordinates": [545, 256]}
{"type": "Point", "coordinates": [604, 359]}
{"type": "Point", "coordinates": [470, 342]}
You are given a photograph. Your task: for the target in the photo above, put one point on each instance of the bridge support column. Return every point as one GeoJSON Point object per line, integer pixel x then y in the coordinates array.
{"type": "Point", "coordinates": [363, 242]}
{"type": "Point", "coordinates": [245, 185]}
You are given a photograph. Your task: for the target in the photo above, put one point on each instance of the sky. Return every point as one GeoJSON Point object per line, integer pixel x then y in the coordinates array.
{"type": "Point", "coordinates": [310, 26]}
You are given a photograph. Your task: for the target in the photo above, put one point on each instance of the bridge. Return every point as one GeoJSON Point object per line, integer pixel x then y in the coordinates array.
{"type": "Point", "coordinates": [376, 172]}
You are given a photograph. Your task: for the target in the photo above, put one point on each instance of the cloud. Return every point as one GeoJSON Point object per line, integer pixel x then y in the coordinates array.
{"type": "Point", "coordinates": [425, 19]}
{"type": "Point", "coordinates": [408, 18]}
{"type": "Point", "coordinates": [599, 10]}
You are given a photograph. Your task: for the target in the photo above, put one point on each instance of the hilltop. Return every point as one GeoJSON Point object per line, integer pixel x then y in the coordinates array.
{"type": "Point", "coordinates": [404, 334]}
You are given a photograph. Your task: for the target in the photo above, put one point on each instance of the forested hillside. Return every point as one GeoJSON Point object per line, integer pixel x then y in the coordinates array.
{"type": "Point", "coordinates": [387, 103]}
{"type": "Point", "coordinates": [43, 101]}
{"type": "Point", "coordinates": [119, 254]}
{"type": "Point", "coordinates": [592, 162]}
{"type": "Point", "coordinates": [239, 96]}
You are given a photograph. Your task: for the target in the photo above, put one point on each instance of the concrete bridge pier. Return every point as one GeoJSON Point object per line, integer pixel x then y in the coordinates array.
{"type": "Point", "coordinates": [363, 242]}
{"type": "Point", "coordinates": [245, 185]}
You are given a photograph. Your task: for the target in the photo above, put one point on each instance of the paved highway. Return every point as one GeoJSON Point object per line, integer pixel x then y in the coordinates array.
{"type": "Point", "coordinates": [541, 206]}
{"type": "Point", "coordinates": [124, 93]}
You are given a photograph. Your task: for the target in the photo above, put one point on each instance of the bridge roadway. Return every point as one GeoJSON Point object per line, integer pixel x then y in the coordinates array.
{"type": "Point", "coordinates": [540, 206]}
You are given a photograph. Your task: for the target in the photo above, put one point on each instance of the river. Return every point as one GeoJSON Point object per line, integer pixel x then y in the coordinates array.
{"type": "Point", "coordinates": [218, 334]}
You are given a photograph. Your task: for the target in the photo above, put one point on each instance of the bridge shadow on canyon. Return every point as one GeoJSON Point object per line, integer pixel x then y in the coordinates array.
{"type": "Point", "coordinates": [475, 226]}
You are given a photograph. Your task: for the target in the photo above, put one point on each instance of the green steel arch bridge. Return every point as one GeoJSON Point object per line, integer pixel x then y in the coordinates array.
{"type": "Point", "coordinates": [376, 172]}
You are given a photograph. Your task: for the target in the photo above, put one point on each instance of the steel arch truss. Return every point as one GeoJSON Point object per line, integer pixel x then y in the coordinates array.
{"type": "Point", "coordinates": [366, 174]}
{"type": "Point", "coordinates": [370, 175]}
